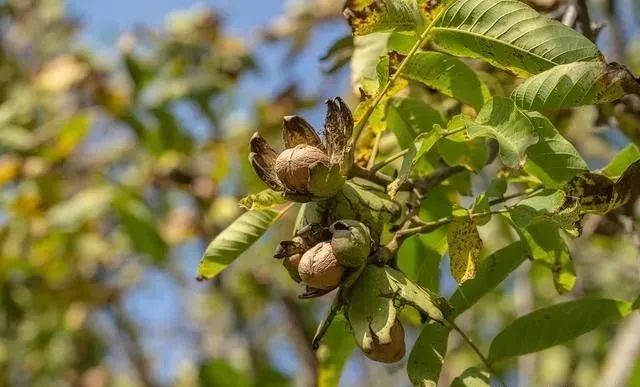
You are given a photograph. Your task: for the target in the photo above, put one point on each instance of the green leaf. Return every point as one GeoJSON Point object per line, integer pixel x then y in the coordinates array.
{"type": "Point", "coordinates": [552, 159]}
{"type": "Point", "coordinates": [70, 134]}
{"type": "Point", "coordinates": [575, 84]}
{"type": "Point", "coordinates": [471, 154]}
{"type": "Point", "coordinates": [83, 206]}
{"type": "Point", "coordinates": [555, 325]}
{"type": "Point", "coordinates": [422, 145]}
{"type": "Point", "coordinates": [138, 221]}
{"type": "Point", "coordinates": [536, 208]}
{"type": "Point", "coordinates": [448, 75]}
{"type": "Point", "coordinates": [267, 198]}
{"type": "Point", "coordinates": [502, 120]}
{"type": "Point", "coordinates": [382, 15]}
{"type": "Point", "coordinates": [636, 304]}
{"type": "Point", "coordinates": [464, 248]}
{"type": "Point", "coordinates": [472, 377]}
{"type": "Point", "coordinates": [234, 240]}
{"type": "Point", "coordinates": [409, 117]}
{"type": "Point", "coordinates": [367, 51]}
{"type": "Point", "coordinates": [407, 292]}
{"type": "Point", "coordinates": [419, 256]}
{"type": "Point", "coordinates": [427, 355]}
{"type": "Point", "coordinates": [220, 373]}
{"type": "Point", "coordinates": [480, 205]}
{"type": "Point", "coordinates": [510, 35]}
{"type": "Point", "coordinates": [621, 161]}
{"type": "Point", "coordinates": [492, 270]}
{"type": "Point", "coordinates": [13, 137]}
{"type": "Point", "coordinates": [545, 246]}
{"type": "Point", "coordinates": [335, 350]}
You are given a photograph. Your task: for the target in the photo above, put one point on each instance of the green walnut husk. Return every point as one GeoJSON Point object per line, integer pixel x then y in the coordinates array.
{"type": "Point", "coordinates": [372, 309]}
{"type": "Point", "coordinates": [371, 316]}
{"type": "Point", "coordinates": [351, 242]}
{"type": "Point", "coordinates": [365, 204]}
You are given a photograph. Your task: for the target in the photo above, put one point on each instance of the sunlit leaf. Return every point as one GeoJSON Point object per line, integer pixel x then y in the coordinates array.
{"type": "Point", "coordinates": [502, 120]}
{"type": "Point", "coordinates": [491, 271]}
{"type": "Point", "coordinates": [262, 200]}
{"type": "Point", "coordinates": [553, 159]}
{"type": "Point", "coordinates": [366, 17]}
{"type": "Point", "coordinates": [83, 206]}
{"type": "Point", "coordinates": [510, 35]}
{"type": "Point", "coordinates": [621, 161]}
{"type": "Point", "coordinates": [472, 377]}
{"type": "Point", "coordinates": [70, 134]}
{"type": "Point", "coordinates": [409, 117]}
{"type": "Point", "coordinates": [448, 75]}
{"type": "Point", "coordinates": [555, 325]}
{"type": "Point", "coordinates": [575, 84]}
{"type": "Point", "coordinates": [426, 357]}
{"type": "Point", "coordinates": [422, 145]}
{"type": "Point", "coordinates": [536, 208]}
{"type": "Point", "coordinates": [234, 240]}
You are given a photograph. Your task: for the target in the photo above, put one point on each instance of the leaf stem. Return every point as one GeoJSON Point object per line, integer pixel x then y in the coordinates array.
{"type": "Point", "coordinates": [476, 350]}
{"type": "Point", "coordinates": [374, 151]}
{"type": "Point", "coordinates": [526, 192]}
{"type": "Point", "coordinates": [454, 131]}
{"type": "Point", "coordinates": [390, 159]}
{"type": "Point", "coordinates": [427, 227]}
{"type": "Point", "coordinates": [421, 41]}
{"type": "Point", "coordinates": [324, 325]}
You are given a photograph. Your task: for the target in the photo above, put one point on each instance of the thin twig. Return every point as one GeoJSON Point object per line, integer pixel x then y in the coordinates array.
{"type": "Point", "coordinates": [476, 350]}
{"type": "Point", "coordinates": [526, 192]}
{"type": "Point", "coordinates": [427, 227]}
{"type": "Point", "coordinates": [584, 20]}
{"type": "Point", "coordinates": [374, 151]}
{"type": "Point", "coordinates": [421, 41]}
{"type": "Point", "coordinates": [378, 166]}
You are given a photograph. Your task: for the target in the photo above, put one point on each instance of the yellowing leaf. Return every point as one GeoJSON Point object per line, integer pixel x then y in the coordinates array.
{"type": "Point", "coordinates": [464, 248]}
{"type": "Point", "coordinates": [265, 199]}
{"type": "Point", "coordinates": [382, 15]}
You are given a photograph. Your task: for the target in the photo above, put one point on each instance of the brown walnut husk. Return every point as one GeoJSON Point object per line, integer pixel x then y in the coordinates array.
{"type": "Point", "coordinates": [311, 167]}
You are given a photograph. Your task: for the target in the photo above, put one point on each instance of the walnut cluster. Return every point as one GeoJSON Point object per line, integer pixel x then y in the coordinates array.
{"type": "Point", "coordinates": [312, 166]}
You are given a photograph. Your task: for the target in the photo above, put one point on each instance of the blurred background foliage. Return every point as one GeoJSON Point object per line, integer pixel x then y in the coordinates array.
{"type": "Point", "coordinates": [119, 163]}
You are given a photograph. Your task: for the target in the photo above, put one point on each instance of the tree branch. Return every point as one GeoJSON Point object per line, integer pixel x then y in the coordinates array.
{"type": "Point", "coordinates": [476, 350]}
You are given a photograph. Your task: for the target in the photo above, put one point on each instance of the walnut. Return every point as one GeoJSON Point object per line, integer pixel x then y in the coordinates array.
{"type": "Point", "coordinates": [293, 166]}
{"type": "Point", "coordinates": [319, 267]}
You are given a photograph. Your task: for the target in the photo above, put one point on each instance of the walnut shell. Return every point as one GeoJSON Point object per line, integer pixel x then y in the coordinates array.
{"type": "Point", "coordinates": [319, 267]}
{"type": "Point", "coordinates": [293, 166]}
{"type": "Point", "coordinates": [391, 352]}
{"type": "Point", "coordinates": [291, 264]}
